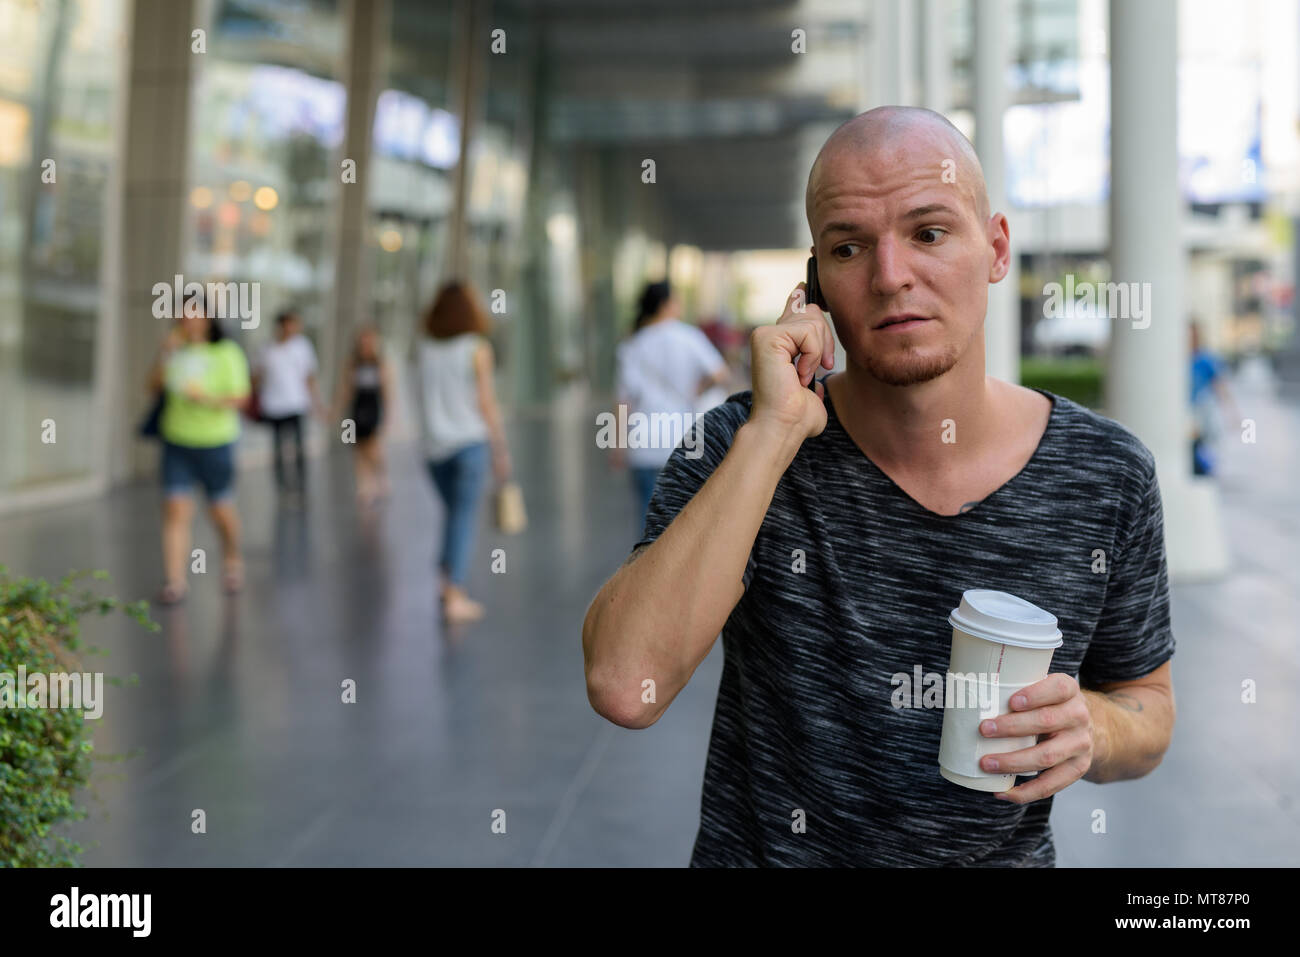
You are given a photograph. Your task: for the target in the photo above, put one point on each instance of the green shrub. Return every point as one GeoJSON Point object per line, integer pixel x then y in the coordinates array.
{"type": "Point", "coordinates": [1079, 379]}
{"type": "Point", "coordinates": [45, 753]}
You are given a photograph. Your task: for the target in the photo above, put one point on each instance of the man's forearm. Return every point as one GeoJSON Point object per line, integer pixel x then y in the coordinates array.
{"type": "Point", "coordinates": [1132, 727]}
{"type": "Point", "coordinates": [659, 616]}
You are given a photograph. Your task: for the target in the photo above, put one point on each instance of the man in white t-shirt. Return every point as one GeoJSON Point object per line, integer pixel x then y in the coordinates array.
{"type": "Point", "coordinates": [285, 382]}
{"type": "Point", "coordinates": [667, 367]}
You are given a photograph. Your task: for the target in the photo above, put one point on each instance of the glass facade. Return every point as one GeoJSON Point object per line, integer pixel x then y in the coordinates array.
{"type": "Point", "coordinates": [58, 90]}
{"type": "Point", "coordinates": [558, 221]}
{"type": "Point", "coordinates": [415, 144]}
{"type": "Point", "coordinates": [266, 127]}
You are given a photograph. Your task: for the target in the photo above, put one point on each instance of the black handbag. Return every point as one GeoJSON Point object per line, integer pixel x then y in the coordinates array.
{"type": "Point", "coordinates": [149, 426]}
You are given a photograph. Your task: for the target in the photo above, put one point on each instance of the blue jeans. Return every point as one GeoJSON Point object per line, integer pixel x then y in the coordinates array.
{"type": "Point", "coordinates": [459, 480]}
{"type": "Point", "coordinates": [643, 483]}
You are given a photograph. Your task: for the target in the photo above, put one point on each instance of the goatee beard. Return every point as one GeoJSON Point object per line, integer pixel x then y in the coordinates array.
{"type": "Point", "coordinates": [910, 368]}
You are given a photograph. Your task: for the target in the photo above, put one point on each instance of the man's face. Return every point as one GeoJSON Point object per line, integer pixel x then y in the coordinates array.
{"type": "Point", "coordinates": [897, 237]}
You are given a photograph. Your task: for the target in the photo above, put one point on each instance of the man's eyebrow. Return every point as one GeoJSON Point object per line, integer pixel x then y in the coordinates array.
{"type": "Point", "coordinates": [840, 227]}
{"type": "Point", "coordinates": [930, 209]}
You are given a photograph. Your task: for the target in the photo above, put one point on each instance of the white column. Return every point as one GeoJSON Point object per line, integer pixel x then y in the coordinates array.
{"type": "Point", "coordinates": [905, 41]}
{"type": "Point", "coordinates": [151, 226]}
{"type": "Point", "coordinates": [367, 27]}
{"type": "Point", "coordinates": [1002, 321]}
{"type": "Point", "coordinates": [936, 55]}
{"type": "Point", "coordinates": [883, 54]}
{"type": "Point", "coordinates": [1147, 374]}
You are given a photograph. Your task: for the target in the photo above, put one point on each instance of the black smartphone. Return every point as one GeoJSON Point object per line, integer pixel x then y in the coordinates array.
{"type": "Point", "coordinates": [814, 291]}
{"type": "Point", "coordinates": [813, 294]}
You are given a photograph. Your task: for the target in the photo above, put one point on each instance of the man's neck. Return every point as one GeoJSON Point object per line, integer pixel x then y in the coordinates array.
{"type": "Point", "coordinates": [923, 427]}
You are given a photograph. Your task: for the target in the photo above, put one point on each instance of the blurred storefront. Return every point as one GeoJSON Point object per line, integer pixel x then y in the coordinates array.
{"type": "Point", "coordinates": [348, 156]}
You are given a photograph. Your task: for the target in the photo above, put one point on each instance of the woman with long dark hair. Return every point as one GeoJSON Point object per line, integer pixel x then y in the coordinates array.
{"type": "Point", "coordinates": [204, 377]}
{"type": "Point", "coordinates": [462, 428]}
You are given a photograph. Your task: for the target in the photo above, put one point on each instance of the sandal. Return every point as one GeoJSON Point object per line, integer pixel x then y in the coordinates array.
{"type": "Point", "coordinates": [172, 594]}
{"type": "Point", "coordinates": [232, 579]}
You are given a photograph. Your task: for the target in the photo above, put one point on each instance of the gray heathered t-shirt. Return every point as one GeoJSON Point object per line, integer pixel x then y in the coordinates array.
{"type": "Point", "coordinates": [805, 719]}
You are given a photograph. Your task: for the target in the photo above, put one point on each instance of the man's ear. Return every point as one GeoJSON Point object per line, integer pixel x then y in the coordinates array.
{"type": "Point", "coordinates": [812, 250]}
{"type": "Point", "coordinates": [1000, 237]}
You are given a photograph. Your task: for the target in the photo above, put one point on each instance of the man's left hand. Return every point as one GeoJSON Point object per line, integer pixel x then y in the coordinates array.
{"type": "Point", "coordinates": [1056, 710]}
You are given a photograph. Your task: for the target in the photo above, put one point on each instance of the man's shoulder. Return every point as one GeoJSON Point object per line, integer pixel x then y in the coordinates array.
{"type": "Point", "coordinates": [731, 414]}
{"type": "Point", "coordinates": [1100, 441]}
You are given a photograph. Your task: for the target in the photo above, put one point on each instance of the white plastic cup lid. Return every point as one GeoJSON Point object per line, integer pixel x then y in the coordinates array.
{"type": "Point", "coordinates": [998, 616]}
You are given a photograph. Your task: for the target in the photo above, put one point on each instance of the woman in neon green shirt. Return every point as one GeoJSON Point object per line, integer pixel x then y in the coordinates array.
{"type": "Point", "coordinates": [205, 376]}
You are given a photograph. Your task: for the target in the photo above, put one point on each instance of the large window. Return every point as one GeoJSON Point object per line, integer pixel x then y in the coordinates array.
{"type": "Point", "coordinates": [58, 69]}
{"type": "Point", "coordinates": [267, 122]}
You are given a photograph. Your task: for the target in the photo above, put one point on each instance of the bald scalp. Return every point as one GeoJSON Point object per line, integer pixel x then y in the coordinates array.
{"type": "Point", "coordinates": [880, 128]}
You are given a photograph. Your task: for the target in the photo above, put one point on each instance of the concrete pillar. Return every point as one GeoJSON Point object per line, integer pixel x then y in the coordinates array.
{"type": "Point", "coordinates": [154, 171]}
{"type": "Point", "coordinates": [882, 52]}
{"type": "Point", "coordinates": [597, 234]}
{"type": "Point", "coordinates": [468, 71]}
{"type": "Point", "coordinates": [936, 58]}
{"type": "Point", "coordinates": [991, 58]}
{"type": "Point", "coordinates": [907, 42]}
{"type": "Point", "coordinates": [1287, 360]}
{"type": "Point", "coordinates": [1147, 384]}
{"type": "Point", "coordinates": [533, 349]}
{"type": "Point", "coordinates": [366, 25]}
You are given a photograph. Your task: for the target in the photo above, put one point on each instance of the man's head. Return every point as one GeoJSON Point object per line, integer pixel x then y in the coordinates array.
{"type": "Point", "coordinates": [287, 324]}
{"type": "Point", "coordinates": [901, 226]}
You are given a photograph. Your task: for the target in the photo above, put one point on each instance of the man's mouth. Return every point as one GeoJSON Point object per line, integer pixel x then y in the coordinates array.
{"type": "Point", "coordinates": [906, 321]}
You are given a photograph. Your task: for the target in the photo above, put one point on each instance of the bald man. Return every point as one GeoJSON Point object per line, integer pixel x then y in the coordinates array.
{"type": "Point", "coordinates": [829, 532]}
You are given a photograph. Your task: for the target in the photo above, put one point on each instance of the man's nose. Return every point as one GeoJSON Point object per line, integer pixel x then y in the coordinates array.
{"type": "Point", "coordinates": [891, 272]}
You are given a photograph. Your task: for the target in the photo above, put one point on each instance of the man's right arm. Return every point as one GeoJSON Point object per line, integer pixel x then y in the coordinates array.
{"type": "Point", "coordinates": [660, 614]}
{"type": "Point", "coordinates": [658, 617]}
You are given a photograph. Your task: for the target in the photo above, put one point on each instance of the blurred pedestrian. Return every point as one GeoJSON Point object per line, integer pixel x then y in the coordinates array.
{"type": "Point", "coordinates": [365, 391]}
{"type": "Point", "coordinates": [204, 378]}
{"type": "Point", "coordinates": [1210, 398]}
{"type": "Point", "coordinates": [284, 381]}
{"type": "Point", "coordinates": [462, 428]}
{"type": "Point", "coordinates": [665, 366]}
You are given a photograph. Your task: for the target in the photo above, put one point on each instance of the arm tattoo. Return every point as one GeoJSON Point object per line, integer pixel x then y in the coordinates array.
{"type": "Point", "coordinates": [968, 506]}
{"type": "Point", "coordinates": [1125, 701]}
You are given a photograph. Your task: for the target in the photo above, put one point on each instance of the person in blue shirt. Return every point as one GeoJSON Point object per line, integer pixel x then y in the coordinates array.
{"type": "Point", "coordinates": [1209, 388]}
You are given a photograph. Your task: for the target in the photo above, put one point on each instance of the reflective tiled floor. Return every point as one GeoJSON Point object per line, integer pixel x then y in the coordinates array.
{"type": "Point", "coordinates": [238, 708]}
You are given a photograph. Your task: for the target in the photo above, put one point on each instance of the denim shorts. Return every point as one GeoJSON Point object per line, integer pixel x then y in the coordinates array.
{"type": "Point", "coordinates": [213, 468]}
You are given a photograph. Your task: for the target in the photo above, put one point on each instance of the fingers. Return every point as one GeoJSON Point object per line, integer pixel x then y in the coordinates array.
{"type": "Point", "coordinates": [1050, 751]}
{"type": "Point", "coordinates": [806, 332]}
{"type": "Point", "coordinates": [1045, 784]}
{"type": "Point", "coordinates": [1053, 689]}
{"type": "Point", "coordinates": [798, 307]}
{"type": "Point", "coordinates": [828, 349]}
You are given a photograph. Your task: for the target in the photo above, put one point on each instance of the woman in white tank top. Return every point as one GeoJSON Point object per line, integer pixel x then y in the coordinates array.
{"type": "Point", "coordinates": [462, 431]}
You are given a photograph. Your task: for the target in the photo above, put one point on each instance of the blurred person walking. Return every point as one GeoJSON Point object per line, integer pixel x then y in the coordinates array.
{"type": "Point", "coordinates": [462, 428]}
{"type": "Point", "coordinates": [203, 377]}
{"type": "Point", "coordinates": [365, 390]}
{"type": "Point", "coordinates": [284, 380]}
{"type": "Point", "coordinates": [1209, 389]}
{"type": "Point", "coordinates": [669, 367]}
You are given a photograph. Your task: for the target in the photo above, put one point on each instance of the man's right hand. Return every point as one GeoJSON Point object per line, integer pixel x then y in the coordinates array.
{"type": "Point", "coordinates": [782, 400]}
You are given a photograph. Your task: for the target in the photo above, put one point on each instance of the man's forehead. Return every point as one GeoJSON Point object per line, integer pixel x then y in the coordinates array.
{"type": "Point", "coordinates": [856, 192]}
{"type": "Point", "coordinates": [890, 159]}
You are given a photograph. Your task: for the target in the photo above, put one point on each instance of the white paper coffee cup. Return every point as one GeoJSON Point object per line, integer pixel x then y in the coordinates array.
{"type": "Point", "coordinates": [1000, 644]}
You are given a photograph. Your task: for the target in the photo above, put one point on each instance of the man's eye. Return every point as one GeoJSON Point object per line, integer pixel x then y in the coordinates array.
{"type": "Point", "coordinates": [933, 229]}
{"type": "Point", "coordinates": [836, 251]}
